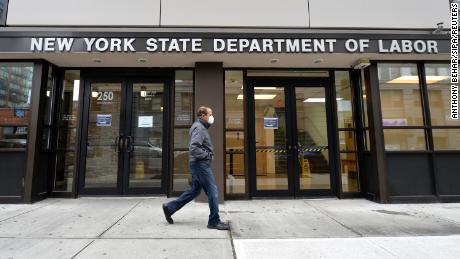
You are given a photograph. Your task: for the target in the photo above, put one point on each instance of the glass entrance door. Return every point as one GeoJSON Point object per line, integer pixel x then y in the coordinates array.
{"type": "Point", "coordinates": [103, 142]}
{"type": "Point", "coordinates": [144, 153]}
{"type": "Point", "coordinates": [124, 140]}
{"type": "Point", "coordinates": [290, 146]}
{"type": "Point", "coordinates": [311, 147]}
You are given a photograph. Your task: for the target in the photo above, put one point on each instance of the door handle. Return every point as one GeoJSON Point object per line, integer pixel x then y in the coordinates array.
{"type": "Point", "coordinates": [130, 144]}
{"type": "Point", "coordinates": [118, 143]}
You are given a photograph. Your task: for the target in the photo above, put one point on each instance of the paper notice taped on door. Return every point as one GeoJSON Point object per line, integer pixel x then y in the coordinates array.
{"type": "Point", "coordinates": [145, 122]}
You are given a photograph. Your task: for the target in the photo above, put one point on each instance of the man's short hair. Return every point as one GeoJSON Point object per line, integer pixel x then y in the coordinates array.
{"type": "Point", "coordinates": [203, 110]}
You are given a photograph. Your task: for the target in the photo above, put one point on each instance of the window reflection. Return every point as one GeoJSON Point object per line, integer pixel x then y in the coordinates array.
{"type": "Point", "coordinates": [312, 139]}
{"type": "Point", "coordinates": [349, 169]}
{"type": "Point", "coordinates": [147, 135]}
{"type": "Point", "coordinates": [347, 140]}
{"type": "Point", "coordinates": [404, 139]}
{"type": "Point", "coordinates": [15, 95]}
{"type": "Point", "coordinates": [347, 132]}
{"type": "Point", "coordinates": [400, 95]}
{"type": "Point", "coordinates": [234, 141]}
{"type": "Point", "coordinates": [2, 12]}
{"type": "Point", "coordinates": [438, 85]}
{"type": "Point", "coordinates": [270, 138]}
{"type": "Point", "coordinates": [183, 119]}
{"type": "Point", "coordinates": [446, 139]}
{"type": "Point", "coordinates": [67, 130]}
{"type": "Point", "coordinates": [401, 107]}
{"type": "Point", "coordinates": [344, 99]}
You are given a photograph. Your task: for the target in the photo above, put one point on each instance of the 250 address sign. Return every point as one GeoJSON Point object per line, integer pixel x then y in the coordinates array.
{"type": "Point", "coordinates": [104, 96]}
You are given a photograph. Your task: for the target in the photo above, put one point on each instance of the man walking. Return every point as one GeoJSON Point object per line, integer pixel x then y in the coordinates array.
{"type": "Point", "coordinates": [200, 157]}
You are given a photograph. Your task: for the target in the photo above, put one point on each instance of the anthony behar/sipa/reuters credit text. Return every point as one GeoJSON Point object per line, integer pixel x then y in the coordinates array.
{"type": "Point", "coordinates": [454, 60]}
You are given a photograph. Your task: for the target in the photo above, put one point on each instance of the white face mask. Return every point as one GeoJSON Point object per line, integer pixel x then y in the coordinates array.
{"type": "Point", "coordinates": [211, 119]}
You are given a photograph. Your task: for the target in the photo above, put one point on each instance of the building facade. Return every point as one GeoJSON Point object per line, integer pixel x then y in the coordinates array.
{"type": "Point", "coordinates": [311, 98]}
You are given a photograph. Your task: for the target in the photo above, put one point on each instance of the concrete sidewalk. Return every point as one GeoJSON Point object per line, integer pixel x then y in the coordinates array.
{"type": "Point", "coordinates": [136, 228]}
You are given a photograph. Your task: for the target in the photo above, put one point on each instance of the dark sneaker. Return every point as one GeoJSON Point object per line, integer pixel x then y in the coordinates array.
{"type": "Point", "coordinates": [220, 226]}
{"type": "Point", "coordinates": [167, 214]}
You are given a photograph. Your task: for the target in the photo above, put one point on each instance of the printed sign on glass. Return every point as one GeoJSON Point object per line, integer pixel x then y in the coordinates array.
{"type": "Point", "coordinates": [104, 120]}
{"type": "Point", "coordinates": [270, 123]}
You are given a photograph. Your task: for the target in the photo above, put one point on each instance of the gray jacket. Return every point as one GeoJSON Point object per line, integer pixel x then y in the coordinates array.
{"type": "Point", "coordinates": [200, 145]}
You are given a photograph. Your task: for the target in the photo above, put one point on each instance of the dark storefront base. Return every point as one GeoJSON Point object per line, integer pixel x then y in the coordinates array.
{"type": "Point", "coordinates": [12, 166]}
{"type": "Point", "coordinates": [393, 177]}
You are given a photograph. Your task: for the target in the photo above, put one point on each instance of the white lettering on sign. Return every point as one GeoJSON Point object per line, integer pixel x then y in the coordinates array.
{"type": "Point", "coordinates": [128, 44]}
{"type": "Point", "coordinates": [331, 43]}
{"type": "Point", "coordinates": [219, 45]}
{"type": "Point", "coordinates": [196, 45]}
{"type": "Point", "coordinates": [49, 44]}
{"type": "Point", "coordinates": [102, 45]}
{"type": "Point", "coordinates": [233, 45]}
{"type": "Point", "coordinates": [152, 44]}
{"type": "Point", "coordinates": [105, 96]}
{"type": "Point", "coordinates": [172, 45]}
{"type": "Point", "coordinates": [65, 44]}
{"type": "Point", "coordinates": [274, 45]}
{"type": "Point", "coordinates": [408, 46]}
{"type": "Point", "coordinates": [363, 44]}
{"type": "Point", "coordinates": [115, 44]}
{"type": "Point", "coordinates": [255, 47]}
{"type": "Point", "coordinates": [267, 45]}
{"type": "Point", "coordinates": [89, 43]}
{"type": "Point", "coordinates": [353, 45]}
{"type": "Point", "coordinates": [112, 44]}
{"type": "Point", "coordinates": [244, 44]}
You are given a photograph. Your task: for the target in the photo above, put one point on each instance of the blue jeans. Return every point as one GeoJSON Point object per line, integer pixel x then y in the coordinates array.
{"type": "Point", "coordinates": [201, 178]}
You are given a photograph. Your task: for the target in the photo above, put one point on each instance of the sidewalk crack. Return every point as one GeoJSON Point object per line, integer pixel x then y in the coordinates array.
{"type": "Point", "coordinates": [25, 212]}
{"type": "Point", "coordinates": [122, 217]}
{"type": "Point", "coordinates": [383, 248]}
{"type": "Point", "coordinates": [333, 219]}
{"type": "Point", "coordinates": [81, 250]}
{"type": "Point", "coordinates": [230, 234]}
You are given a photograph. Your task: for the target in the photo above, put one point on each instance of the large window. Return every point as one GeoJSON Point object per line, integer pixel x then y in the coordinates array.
{"type": "Point", "coordinates": [401, 100]}
{"type": "Point", "coordinates": [446, 131]}
{"type": "Point", "coordinates": [66, 130]}
{"type": "Point", "coordinates": [365, 114]}
{"type": "Point", "coordinates": [3, 7]}
{"type": "Point", "coordinates": [183, 119]}
{"type": "Point", "coordinates": [347, 132]}
{"type": "Point", "coordinates": [15, 95]}
{"type": "Point", "coordinates": [235, 177]}
{"type": "Point", "coordinates": [404, 124]}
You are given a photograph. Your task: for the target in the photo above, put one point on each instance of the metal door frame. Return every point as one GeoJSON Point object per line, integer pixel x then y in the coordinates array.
{"type": "Point", "coordinates": [290, 85]}
{"type": "Point", "coordinates": [126, 82]}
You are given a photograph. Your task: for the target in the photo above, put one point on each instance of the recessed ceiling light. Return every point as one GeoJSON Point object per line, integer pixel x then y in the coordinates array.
{"type": "Point", "coordinates": [318, 60]}
{"type": "Point", "coordinates": [142, 60]}
{"type": "Point", "coordinates": [97, 60]}
{"type": "Point", "coordinates": [258, 96]}
{"type": "Point", "coordinates": [414, 79]}
{"type": "Point", "coordinates": [265, 88]}
{"type": "Point", "coordinates": [318, 100]}
{"type": "Point", "coordinates": [274, 60]}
